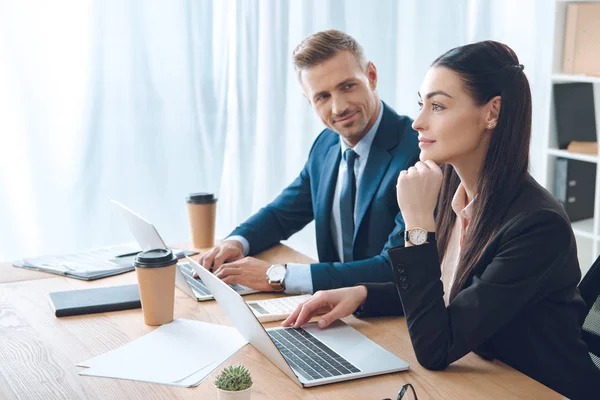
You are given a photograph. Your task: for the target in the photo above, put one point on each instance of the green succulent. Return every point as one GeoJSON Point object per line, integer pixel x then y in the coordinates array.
{"type": "Point", "coordinates": [234, 378]}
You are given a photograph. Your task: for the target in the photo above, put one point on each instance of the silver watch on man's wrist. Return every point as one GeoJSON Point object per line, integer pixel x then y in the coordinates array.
{"type": "Point", "coordinates": [276, 277]}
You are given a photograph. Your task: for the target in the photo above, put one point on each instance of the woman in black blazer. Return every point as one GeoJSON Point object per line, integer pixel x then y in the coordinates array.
{"type": "Point", "coordinates": [501, 278]}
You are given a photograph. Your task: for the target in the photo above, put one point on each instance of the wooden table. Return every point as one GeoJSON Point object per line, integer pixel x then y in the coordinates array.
{"type": "Point", "coordinates": [8, 274]}
{"type": "Point", "coordinates": [38, 351]}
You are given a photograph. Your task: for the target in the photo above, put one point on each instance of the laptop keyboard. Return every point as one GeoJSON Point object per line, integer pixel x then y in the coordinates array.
{"type": "Point", "coordinates": [310, 357]}
{"type": "Point", "coordinates": [197, 285]}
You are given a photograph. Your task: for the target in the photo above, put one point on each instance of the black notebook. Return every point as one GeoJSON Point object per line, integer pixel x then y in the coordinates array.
{"type": "Point", "coordinates": [89, 301]}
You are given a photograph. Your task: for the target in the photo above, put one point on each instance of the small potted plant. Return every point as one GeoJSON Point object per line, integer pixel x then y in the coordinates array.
{"type": "Point", "coordinates": [234, 383]}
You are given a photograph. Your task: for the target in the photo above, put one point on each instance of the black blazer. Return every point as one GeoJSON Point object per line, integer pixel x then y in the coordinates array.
{"type": "Point", "coordinates": [520, 304]}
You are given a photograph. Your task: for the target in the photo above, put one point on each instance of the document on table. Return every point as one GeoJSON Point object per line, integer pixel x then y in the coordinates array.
{"type": "Point", "coordinates": [90, 264]}
{"type": "Point", "coordinates": [86, 265]}
{"type": "Point", "coordinates": [181, 353]}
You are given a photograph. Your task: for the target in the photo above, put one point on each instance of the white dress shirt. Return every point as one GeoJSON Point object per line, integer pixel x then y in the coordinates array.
{"type": "Point", "coordinates": [298, 278]}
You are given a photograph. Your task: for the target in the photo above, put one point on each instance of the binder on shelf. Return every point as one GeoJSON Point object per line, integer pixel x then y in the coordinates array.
{"type": "Point", "coordinates": [574, 187]}
{"type": "Point", "coordinates": [581, 54]}
{"type": "Point", "coordinates": [575, 114]}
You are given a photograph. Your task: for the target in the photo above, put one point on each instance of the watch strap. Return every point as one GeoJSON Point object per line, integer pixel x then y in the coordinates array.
{"type": "Point", "coordinates": [430, 236]}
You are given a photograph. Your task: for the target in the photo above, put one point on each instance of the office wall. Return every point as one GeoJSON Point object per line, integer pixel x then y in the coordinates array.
{"type": "Point", "coordinates": [145, 101]}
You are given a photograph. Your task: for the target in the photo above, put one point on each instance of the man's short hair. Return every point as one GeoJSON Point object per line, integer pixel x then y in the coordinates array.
{"type": "Point", "coordinates": [324, 45]}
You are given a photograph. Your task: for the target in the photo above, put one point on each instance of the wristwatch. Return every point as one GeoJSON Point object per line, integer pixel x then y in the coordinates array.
{"type": "Point", "coordinates": [418, 236]}
{"type": "Point", "coordinates": [276, 277]}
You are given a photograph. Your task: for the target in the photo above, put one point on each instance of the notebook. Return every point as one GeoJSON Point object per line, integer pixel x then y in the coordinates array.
{"type": "Point", "coordinates": [97, 300]}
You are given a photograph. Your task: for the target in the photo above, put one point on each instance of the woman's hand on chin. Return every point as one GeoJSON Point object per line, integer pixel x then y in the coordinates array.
{"type": "Point", "coordinates": [417, 192]}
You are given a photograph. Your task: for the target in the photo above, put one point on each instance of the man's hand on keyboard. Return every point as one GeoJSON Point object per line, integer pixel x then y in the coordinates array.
{"type": "Point", "coordinates": [337, 303]}
{"type": "Point", "coordinates": [248, 271]}
{"type": "Point", "coordinates": [227, 251]}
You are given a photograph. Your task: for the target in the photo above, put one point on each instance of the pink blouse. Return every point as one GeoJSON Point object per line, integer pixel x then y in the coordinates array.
{"type": "Point", "coordinates": [464, 213]}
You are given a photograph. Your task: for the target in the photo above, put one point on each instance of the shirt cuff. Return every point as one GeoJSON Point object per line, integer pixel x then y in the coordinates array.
{"type": "Point", "coordinates": [298, 279]}
{"type": "Point", "coordinates": [243, 241]}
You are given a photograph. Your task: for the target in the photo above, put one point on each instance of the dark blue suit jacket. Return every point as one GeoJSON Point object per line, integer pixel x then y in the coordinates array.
{"type": "Point", "coordinates": [310, 196]}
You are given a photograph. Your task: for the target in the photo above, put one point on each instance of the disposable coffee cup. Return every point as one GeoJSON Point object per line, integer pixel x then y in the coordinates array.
{"type": "Point", "coordinates": [155, 271]}
{"type": "Point", "coordinates": [202, 211]}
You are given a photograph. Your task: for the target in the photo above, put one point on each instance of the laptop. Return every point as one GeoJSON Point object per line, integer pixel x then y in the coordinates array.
{"type": "Point", "coordinates": [310, 356]}
{"type": "Point", "coordinates": [148, 238]}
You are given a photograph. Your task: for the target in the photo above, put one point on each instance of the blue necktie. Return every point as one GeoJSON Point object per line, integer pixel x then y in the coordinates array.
{"type": "Point", "coordinates": [347, 198]}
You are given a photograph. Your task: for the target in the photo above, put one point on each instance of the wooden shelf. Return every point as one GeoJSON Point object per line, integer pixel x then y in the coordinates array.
{"type": "Point", "coordinates": [566, 78]}
{"type": "Point", "coordinates": [574, 156]}
{"type": "Point", "coordinates": [587, 232]}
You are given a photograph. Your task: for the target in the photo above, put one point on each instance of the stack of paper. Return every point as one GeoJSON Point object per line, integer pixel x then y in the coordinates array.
{"type": "Point", "coordinates": [91, 264]}
{"type": "Point", "coordinates": [181, 353]}
{"type": "Point", "coordinates": [86, 265]}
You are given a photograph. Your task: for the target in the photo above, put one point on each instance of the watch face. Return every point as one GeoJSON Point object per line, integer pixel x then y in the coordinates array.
{"type": "Point", "coordinates": [417, 236]}
{"type": "Point", "coordinates": [277, 273]}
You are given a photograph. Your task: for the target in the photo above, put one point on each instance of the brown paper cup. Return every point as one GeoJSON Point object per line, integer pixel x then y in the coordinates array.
{"type": "Point", "coordinates": [157, 289]}
{"type": "Point", "coordinates": [202, 212]}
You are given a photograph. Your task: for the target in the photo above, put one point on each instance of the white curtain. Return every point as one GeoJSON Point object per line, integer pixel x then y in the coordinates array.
{"type": "Point", "coordinates": [146, 101]}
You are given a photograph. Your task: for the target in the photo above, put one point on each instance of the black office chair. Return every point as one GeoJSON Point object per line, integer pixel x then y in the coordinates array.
{"type": "Point", "coordinates": [590, 291]}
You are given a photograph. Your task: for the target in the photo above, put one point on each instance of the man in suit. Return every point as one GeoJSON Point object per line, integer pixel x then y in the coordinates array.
{"type": "Point", "coordinates": [347, 185]}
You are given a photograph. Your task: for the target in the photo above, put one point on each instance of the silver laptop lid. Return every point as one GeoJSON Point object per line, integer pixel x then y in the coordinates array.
{"type": "Point", "coordinates": [243, 318]}
{"type": "Point", "coordinates": [143, 231]}
{"type": "Point", "coordinates": [148, 238]}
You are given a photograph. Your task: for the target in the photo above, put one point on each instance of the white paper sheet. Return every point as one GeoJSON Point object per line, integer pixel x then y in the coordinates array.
{"type": "Point", "coordinates": [181, 353]}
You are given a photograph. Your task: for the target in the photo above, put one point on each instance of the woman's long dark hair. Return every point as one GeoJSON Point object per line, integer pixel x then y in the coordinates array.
{"type": "Point", "coordinates": [488, 69]}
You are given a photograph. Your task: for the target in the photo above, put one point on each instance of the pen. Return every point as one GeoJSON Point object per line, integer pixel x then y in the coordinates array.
{"type": "Point", "coordinates": [127, 254]}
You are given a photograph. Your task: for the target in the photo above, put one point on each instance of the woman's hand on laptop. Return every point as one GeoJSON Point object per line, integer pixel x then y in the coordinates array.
{"type": "Point", "coordinates": [226, 251]}
{"type": "Point", "coordinates": [334, 304]}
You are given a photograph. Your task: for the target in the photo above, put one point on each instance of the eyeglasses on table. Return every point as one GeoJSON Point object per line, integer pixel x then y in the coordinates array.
{"type": "Point", "coordinates": [407, 392]}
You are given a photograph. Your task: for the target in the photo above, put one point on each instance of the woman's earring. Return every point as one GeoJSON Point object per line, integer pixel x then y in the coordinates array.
{"type": "Point", "coordinates": [490, 126]}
